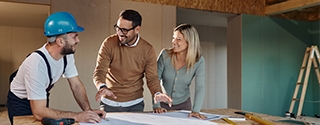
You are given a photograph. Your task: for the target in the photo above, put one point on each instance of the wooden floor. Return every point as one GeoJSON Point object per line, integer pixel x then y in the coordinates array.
{"type": "Point", "coordinates": [4, 116]}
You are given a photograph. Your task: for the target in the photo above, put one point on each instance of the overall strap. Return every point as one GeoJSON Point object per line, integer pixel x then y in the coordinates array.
{"type": "Point", "coordinates": [65, 62]}
{"type": "Point", "coordinates": [48, 67]}
{"type": "Point", "coordinates": [64, 68]}
{"type": "Point", "coordinates": [49, 73]}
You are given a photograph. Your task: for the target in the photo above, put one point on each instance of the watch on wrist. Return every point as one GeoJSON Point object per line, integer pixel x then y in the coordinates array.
{"type": "Point", "coordinates": [103, 86]}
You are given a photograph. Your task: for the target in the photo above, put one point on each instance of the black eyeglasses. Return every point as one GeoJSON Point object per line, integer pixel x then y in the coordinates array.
{"type": "Point", "coordinates": [123, 30]}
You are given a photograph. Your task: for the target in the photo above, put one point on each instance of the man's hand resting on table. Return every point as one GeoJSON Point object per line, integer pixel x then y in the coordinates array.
{"type": "Point", "coordinates": [90, 116]}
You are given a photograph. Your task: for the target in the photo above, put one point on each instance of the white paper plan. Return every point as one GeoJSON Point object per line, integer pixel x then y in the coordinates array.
{"type": "Point", "coordinates": [169, 118]}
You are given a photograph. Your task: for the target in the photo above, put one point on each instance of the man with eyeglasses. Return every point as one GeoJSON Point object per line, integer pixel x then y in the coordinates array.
{"type": "Point", "coordinates": [123, 60]}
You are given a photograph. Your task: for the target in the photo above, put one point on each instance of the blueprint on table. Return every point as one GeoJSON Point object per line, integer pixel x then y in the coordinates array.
{"type": "Point", "coordinates": [169, 118]}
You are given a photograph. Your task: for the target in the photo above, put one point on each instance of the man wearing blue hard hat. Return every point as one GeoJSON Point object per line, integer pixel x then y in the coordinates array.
{"type": "Point", "coordinates": [30, 86]}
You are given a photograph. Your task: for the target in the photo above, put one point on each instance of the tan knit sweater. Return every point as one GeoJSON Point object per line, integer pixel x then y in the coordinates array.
{"type": "Point", "coordinates": [122, 68]}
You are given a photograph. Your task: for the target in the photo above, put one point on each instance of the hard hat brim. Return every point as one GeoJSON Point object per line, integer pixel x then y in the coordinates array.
{"type": "Point", "coordinates": [78, 29]}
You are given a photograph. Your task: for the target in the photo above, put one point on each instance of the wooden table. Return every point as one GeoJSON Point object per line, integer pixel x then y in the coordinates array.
{"type": "Point", "coordinates": [230, 112]}
{"type": "Point", "coordinates": [30, 120]}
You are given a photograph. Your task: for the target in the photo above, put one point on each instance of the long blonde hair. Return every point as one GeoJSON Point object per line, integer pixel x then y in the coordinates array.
{"type": "Point", "coordinates": [190, 34]}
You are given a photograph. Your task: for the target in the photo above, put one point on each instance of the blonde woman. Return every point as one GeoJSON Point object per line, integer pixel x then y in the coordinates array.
{"type": "Point", "coordinates": [177, 67]}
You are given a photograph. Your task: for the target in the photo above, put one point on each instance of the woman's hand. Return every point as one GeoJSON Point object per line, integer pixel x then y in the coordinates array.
{"type": "Point", "coordinates": [160, 97]}
{"type": "Point", "coordinates": [197, 115]}
{"type": "Point", "coordinates": [159, 110]}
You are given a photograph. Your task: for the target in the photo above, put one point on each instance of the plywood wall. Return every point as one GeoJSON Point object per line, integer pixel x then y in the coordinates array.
{"type": "Point", "coordinates": [16, 44]}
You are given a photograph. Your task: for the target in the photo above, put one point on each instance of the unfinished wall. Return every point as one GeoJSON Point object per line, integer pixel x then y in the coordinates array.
{"type": "Point", "coordinates": [272, 54]}
{"type": "Point", "coordinates": [16, 44]}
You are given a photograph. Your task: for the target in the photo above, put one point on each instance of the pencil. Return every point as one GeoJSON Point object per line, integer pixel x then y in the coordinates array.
{"type": "Point", "coordinates": [229, 121]}
{"type": "Point", "coordinates": [255, 118]}
{"type": "Point", "coordinates": [258, 119]}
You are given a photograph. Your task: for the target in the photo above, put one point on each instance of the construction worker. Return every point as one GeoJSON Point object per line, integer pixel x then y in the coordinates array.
{"type": "Point", "coordinates": [29, 88]}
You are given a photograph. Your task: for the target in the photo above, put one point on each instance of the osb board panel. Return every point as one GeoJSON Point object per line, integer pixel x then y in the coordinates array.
{"type": "Point", "coordinates": [255, 7]}
{"type": "Point", "coordinates": [168, 23]}
{"type": "Point", "coordinates": [306, 14]}
{"type": "Point", "coordinates": [5, 62]}
{"type": "Point", "coordinates": [94, 16]}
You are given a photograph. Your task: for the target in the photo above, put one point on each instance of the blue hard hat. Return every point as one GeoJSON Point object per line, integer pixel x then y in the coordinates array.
{"type": "Point", "coordinates": [61, 23]}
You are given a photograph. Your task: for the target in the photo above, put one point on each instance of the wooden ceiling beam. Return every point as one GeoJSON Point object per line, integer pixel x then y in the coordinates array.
{"type": "Point", "coordinates": [290, 5]}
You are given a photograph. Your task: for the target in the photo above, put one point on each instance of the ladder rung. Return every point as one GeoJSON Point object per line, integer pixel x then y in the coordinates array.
{"type": "Point", "coordinates": [311, 54]}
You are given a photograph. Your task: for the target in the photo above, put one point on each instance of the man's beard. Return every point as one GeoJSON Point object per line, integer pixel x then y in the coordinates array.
{"type": "Point", "coordinates": [128, 40]}
{"type": "Point", "coordinates": [67, 49]}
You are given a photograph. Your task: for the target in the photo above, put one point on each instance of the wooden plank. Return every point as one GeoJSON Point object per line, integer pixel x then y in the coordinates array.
{"type": "Point", "coordinates": [290, 5]}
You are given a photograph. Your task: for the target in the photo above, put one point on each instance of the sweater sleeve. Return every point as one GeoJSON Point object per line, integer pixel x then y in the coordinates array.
{"type": "Point", "coordinates": [153, 82]}
{"type": "Point", "coordinates": [199, 85]}
{"type": "Point", "coordinates": [102, 65]}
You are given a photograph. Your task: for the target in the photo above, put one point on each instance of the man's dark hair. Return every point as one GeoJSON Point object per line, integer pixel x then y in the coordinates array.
{"type": "Point", "coordinates": [133, 16]}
